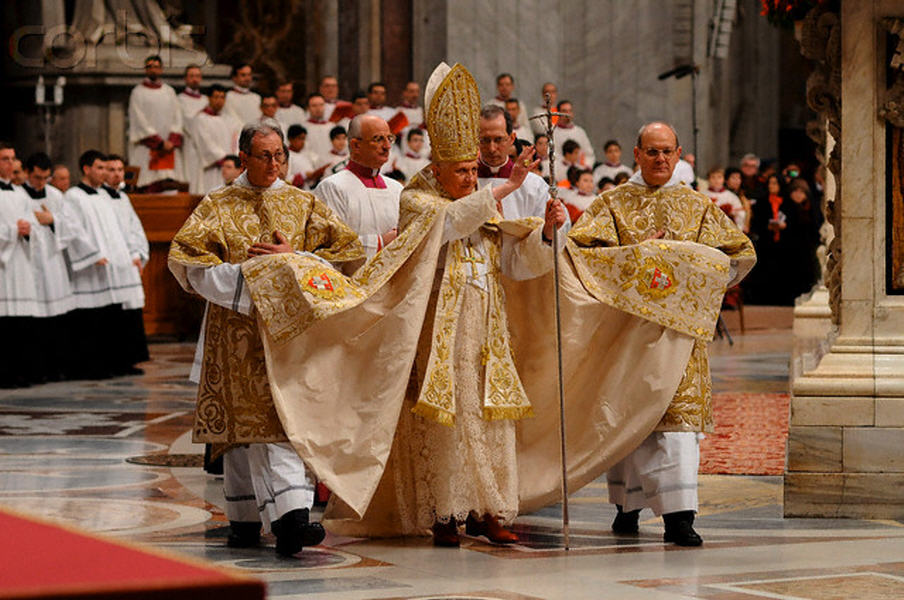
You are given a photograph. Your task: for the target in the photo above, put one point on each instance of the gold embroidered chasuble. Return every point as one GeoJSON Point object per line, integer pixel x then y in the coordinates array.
{"type": "Point", "coordinates": [235, 404]}
{"type": "Point", "coordinates": [630, 214]}
{"type": "Point", "coordinates": [340, 352]}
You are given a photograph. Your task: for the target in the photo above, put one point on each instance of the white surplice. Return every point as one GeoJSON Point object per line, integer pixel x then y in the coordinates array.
{"type": "Point", "coordinates": [301, 163]}
{"type": "Point", "coordinates": [369, 211]}
{"type": "Point", "coordinates": [192, 103]}
{"type": "Point", "coordinates": [118, 281]}
{"type": "Point", "coordinates": [576, 133]}
{"type": "Point", "coordinates": [48, 243]}
{"type": "Point", "coordinates": [291, 115]}
{"type": "Point", "coordinates": [136, 241]}
{"type": "Point", "coordinates": [214, 136]}
{"type": "Point", "coordinates": [153, 112]}
{"type": "Point", "coordinates": [18, 291]}
{"type": "Point", "coordinates": [610, 171]}
{"type": "Point", "coordinates": [409, 164]}
{"type": "Point", "coordinates": [318, 139]}
{"type": "Point", "coordinates": [243, 104]}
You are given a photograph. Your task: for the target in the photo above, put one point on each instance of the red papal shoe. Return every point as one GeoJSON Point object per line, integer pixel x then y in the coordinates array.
{"type": "Point", "coordinates": [445, 535]}
{"type": "Point", "coordinates": [491, 528]}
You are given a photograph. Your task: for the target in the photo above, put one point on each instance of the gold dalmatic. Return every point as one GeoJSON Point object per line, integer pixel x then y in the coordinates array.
{"type": "Point", "coordinates": [453, 114]}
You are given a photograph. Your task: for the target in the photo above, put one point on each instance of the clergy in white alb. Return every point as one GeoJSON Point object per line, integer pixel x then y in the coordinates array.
{"type": "Point", "coordinates": [414, 158]}
{"type": "Point", "coordinates": [103, 274]}
{"type": "Point", "coordinates": [134, 348]}
{"type": "Point", "coordinates": [192, 102]}
{"type": "Point", "coordinates": [505, 89]}
{"type": "Point", "coordinates": [376, 97]}
{"type": "Point", "coordinates": [568, 130]}
{"type": "Point", "coordinates": [288, 113]}
{"type": "Point", "coordinates": [612, 166]}
{"type": "Point", "coordinates": [495, 166]}
{"type": "Point", "coordinates": [18, 290]}
{"type": "Point", "coordinates": [318, 128]}
{"type": "Point", "coordinates": [155, 127]}
{"type": "Point", "coordinates": [538, 126]}
{"type": "Point", "coordinates": [243, 104]}
{"type": "Point", "coordinates": [358, 194]}
{"type": "Point", "coordinates": [49, 238]}
{"type": "Point", "coordinates": [302, 172]}
{"type": "Point", "coordinates": [216, 133]}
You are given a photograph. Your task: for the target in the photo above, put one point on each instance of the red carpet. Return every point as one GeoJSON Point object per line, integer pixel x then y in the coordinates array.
{"type": "Point", "coordinates": [39, 559]}
{"type": "Point", "coordinates": [750, 435]}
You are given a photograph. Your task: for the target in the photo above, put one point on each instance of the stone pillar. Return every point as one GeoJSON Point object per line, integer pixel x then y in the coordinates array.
{"type": "Point", "coordinates": [847, 414]}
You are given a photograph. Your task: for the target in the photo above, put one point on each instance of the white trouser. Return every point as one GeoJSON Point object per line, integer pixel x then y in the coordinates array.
{"type": "Point", "coordinates": [265, 481]}
{"type": "Point", "coordinates": [660, 474]}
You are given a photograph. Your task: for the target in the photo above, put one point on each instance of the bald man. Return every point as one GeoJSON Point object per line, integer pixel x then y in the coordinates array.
{"type": "Point", "coordinates": [358, 194]}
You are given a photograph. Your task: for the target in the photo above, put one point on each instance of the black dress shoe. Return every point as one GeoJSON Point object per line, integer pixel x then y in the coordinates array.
{"type": "Point", "coordinates": [244, 534]}
{"type": "Point", "coordinates": [293, 532]}
{"type": "Point", "coordinates": [625, 523]}
{"type": "Point", "coordinates": [679, 529]}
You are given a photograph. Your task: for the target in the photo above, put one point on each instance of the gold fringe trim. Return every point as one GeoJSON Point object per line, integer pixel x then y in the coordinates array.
{"type": "Point", "coordinates": [515, 413]}
{"type": "Point", "coordinates": [434, 413]}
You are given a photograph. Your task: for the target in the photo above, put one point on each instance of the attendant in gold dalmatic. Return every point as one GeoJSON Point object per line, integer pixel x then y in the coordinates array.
{"type": "Point", "coordinates": [662, 472]}
{"type": "Point", "coordinates": [258, 215]}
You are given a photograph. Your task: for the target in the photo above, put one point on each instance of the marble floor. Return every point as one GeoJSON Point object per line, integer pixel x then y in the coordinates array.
{"type": "Point", "coordinates": [65, 452]}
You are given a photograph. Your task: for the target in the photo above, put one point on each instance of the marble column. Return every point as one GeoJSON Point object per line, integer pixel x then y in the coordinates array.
{"type": "Point", "coordinates": [847, 414]}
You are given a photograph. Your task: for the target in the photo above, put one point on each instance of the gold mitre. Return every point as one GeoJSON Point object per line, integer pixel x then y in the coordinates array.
{"type": "Point", "coordinates": [452, 101]}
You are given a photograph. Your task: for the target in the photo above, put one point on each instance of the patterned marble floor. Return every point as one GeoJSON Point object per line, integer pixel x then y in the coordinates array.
{"type": "Point", "coordinates": [64, 450]}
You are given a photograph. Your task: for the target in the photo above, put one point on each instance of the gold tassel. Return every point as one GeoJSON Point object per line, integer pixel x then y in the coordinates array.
{"type": "Point", "coordinates": [433, 413]}
{"type": "Point", "coordinates": [515, 413]}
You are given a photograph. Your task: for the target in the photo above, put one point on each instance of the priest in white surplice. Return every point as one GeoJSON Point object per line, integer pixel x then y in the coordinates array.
{"type": "Point", "coordinates": [288, 113]}
{"type": "Point", "coordinates": [567, 130]}
{"type": "Point", "coordinates": [359, 195]}
{"type": "Point", "coordinates": [241, 102]}
{"type": "Point", "coordinates": [48, 240]}
{"type": "Point", "coordinates": [612, 165]}
{"type": "Point", "coordinates": [104, 276]}
{"type": "Point", "coordinates": [191, 99]}
{"type": "Point", "coordinates": [376, 96]}
{"type": "Point", "coordinates": [134, 345]}
{"type": "Point", "coordinates": [495, 167]}
{"type": "Point", "coordinates": [216, 134]}
{"type": "Point", "coordinates": [192, 102]}
{"type": "Point", "coordinates": [155, 126]}
{"type": "Point", "coordinates": [505, 89]}
{"type": "Point", "coordinates": [415, 157]}
{"type": "Point", "coordinates": [18, 292]}
{"type": "Point", "coordinates": [318, 128]}
{"type": "Point", "coordinates": [537, 125]}
{"type": "Point", "coordinates": [51, 236]}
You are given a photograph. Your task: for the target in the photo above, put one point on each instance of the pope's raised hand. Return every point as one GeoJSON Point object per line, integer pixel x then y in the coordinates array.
{"type": "Point", "coordinates": [524, 163]}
